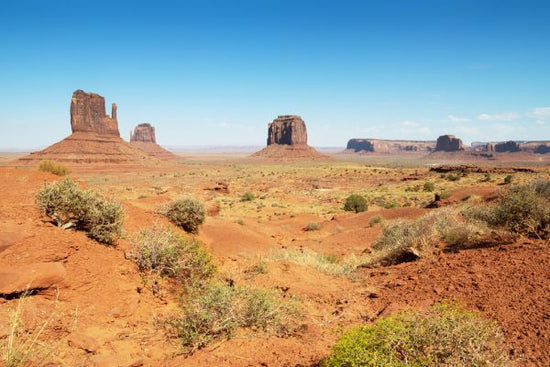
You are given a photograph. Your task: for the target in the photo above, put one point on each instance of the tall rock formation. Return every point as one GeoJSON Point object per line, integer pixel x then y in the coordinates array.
{"type": "Point", "coordinates": [448, 143]}
{"type": "Point", "coordinates": [507, 147]}
{"type": "Point", "coordinates": [95, 140]}
{"type": "Point", "coordinates": [144, 138]}
{"type": "Point", "coordinates": [88, 114]}
{"type": "Point", "coordinates": [287, 130]}
{"type": "Point", "coordinates": [287, 138]}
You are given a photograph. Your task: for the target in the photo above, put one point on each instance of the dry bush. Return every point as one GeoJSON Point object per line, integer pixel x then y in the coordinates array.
{"type": "Point", "coordinates": [52, 167]}
{"type": "Point", "coordinates": [219, 309]}
{"type": "Point", "coordinates": [444, 335]}
{"type": "Point", "coordinates": [70, 206]}
{"type": "Point", "coordinates": [355, 203]}
{"type": "Point", "coordinates": [328, 264]}
{"type": "Point", "coordinates": [165, 252]}
{"type": "Point", "coordinates": [187, 213]}
{"type": "Point", "coordinates": [313, 226]}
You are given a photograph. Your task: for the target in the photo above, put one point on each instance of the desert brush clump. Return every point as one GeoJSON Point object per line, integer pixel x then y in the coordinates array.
{"type": "Point", "coordinates": [219, 309]}
{"type": "Point", "coordinates": [165, 252]}
{"type": "Point", "coordinates": [404, 240]}
{"type": "Point", "coordinates": [52, 167]}
{"type": "Point", "coordinates": [313, 226]}
{"type": "Point", "coordinates": [248, 196]}
{"type": "Point", "coordinates": [521, 209]}
{"type": "Point", "coordinates": [70, 206]}
{"type": "Point", "coordinates": [328, 264]}
{"type": "Point", "coordinates": [187, 214]}
{"type": "Point", "coordinates": [355, 203]}
{"type": "Point", "coordinates": [444, 335]}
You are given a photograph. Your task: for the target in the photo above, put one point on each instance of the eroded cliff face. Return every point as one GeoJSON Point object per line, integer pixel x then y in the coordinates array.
{"type": "Point", "coordinates": [144, 133]}
{"type": "Point", "coordinates": [507, 146]}
{"type": "Point", "coordinates": [287, 130]}
{"type": "Point", "coordinates": [390, 146]}
{"type": "Point", "coordinates": [88, 114]}
{"type": "Point", "coordinates": [448, 143]}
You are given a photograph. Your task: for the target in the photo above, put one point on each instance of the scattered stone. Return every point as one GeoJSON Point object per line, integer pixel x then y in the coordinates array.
{"type": "Point", "coordinates": [39, 276]}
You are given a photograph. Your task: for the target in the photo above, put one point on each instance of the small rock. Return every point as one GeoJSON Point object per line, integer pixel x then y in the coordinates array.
{"type": "Point", "coordinates": [18, 279]}
{"type": "Point", "coordinates": [84, 342]}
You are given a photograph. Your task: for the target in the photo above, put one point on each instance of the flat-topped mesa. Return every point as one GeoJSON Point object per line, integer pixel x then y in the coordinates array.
{"type": "Point", "coordinates": [448, 143]}
{"type": "Point", "coordinates": [88, 114]}
{"type": "Point", "coordinates": [144, 133]}
{"type": "Point", "coordinates": [287, 130]}
{"type": "Point", "coordinates": [507, 146]}
{"type": "Point", "coordinates": [389, 146]}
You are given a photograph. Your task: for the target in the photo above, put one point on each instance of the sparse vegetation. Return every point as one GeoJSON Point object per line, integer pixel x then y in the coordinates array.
{"type": "Point", "coordinates": [355, 203]}
{"type": "Point", "coordinates": [187, 214]}
{"type": "Point", "coordinates": [328, 264]}
{"type": "Point", "coordinates": [219, 309]}
{"type": "Point", "coordinates": [248, 196]}
{"type": "Point", "coordinates": [313, 226]}
{"type": "Point", "coordinates": [70, 206]}
{"type": "Point", "coordinates": [52, 167]}
{"type": "Point", "coordinates": [165, 252]}
{"type": "Point", "coordinates": [375, 220]}
{"type": "Point", "coordinates": [444, 335]}
{"type": "Point", "coordinates": [429, 186]}
{"type": "Point", "coordinates": [508, 179]}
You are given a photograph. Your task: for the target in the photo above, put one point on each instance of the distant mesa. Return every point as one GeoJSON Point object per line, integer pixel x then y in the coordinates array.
{"type": "Point", "coordinates": [508, 146]}
{"type": "Point", "coordinates": [389, 146]}
{"type": "Point", "coordinates": [95, 139]}
{"type": "Point", "coordinates": [511, 146]}
{"type": "Point", "coordinates": [448, 143]}
{"type": "Point", "coordinates": [144, 138]}
{"type": "Point", "coordinates": [287, 138]}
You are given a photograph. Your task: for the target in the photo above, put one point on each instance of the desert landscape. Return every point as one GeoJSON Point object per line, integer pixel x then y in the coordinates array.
{"type": "Point", "coordinates": [304, 183]}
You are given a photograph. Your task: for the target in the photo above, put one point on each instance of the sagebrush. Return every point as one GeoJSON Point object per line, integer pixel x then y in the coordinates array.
{"type": "Point", "coordinates": [186, 213]}
{"type": "Point", "coordinates": [53, 167]}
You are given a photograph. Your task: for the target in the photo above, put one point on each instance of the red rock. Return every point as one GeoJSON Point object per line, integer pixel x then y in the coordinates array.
{"type": "Point", "coordinates": [389, 146]}
{"type": "Point", "coordinates": [287, 130]}
{"type": "Point", "coordinates": [21, 278]}
{"type": "Point", "coordinates": [448, 143]}
{"type": "Point", "coordinates": [143, 133]}
{"type": "Point", "coordinates": [508, 146]}
{"type": "Point", "coordinates": [88, 114]}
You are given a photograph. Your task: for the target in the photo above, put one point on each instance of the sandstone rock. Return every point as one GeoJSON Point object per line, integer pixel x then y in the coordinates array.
{"type": "Point", "coordinates": [287, 130]}
{"type": "Point", "coordinates": [358, 145]}
{"type": "Point", "coordinates": [88, 114]}
{"type": "Point", "coordinates": [84, 342]}
{"type": "Point", "coordinates": [18, 279]}
{"type": "Point", "coordinates": [508, 146]}
{"type": "Point", "coordinates": [448, 143]}
{"type": "Point", "coordinates": [144, 133]}
{"type": "Point", "coordinates": [542, 149]}
{"type": "Point", "coordinates": [389, 146]}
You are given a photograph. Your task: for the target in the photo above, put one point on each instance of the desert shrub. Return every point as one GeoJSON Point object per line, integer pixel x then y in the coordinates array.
{"type": "Point", "coordinates": [187, 213]}
{"type": "Point", "coordinates": [355, 203]}
{"type": "Point", "coordinates": [403, 241]}
{"type": "Point", "coordinates": [70, 206]}
{"type": "Point", "coordinates": [248, 196]}
{"type": "Point", "coordinates": [375, 220]}
{"type": "Point", "coordinates": [165, 252]}
{"type": "Point", "coordinates": [218, 310]}
{"type": "Point", "coordinates": [444, 335]}
{"type": "Point", "coordinates": [329, 264]}
{"type": "Point", "coordinates": [522, 209]}
{"type": "Point", "coordinates": [508, 179]}
{"type": "Point", "coordinates": [451, 177]}
{"type": "Point", "coordinates": [52, 167]}
{"type": "Point", "coordinates": [313, 226]}
{"type": "Point", "coordinates": [486, 178]}
{"type": "Point", "coordinates": [429, 186]}
{"type": "Point", "coordinates": [445, 195]}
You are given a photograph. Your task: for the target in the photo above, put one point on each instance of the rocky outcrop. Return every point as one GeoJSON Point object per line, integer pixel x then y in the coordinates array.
{"type": "Point", "coordinates": [144, 138]}
{"type": "Point", "coordinates": [144, 133]}
{"type": "Point", "coordinates": [507, 147]}
{"type": "Point", "coordinates": [537, 147]}
{"type": "Point", "coordinates": [88, 114]}
{"type": "Point", "coordinates": [287, 130]}
{"type": "Point", "coordinates": [389, 146]}
{"type": "Point", "coordinates": [287, 138]}
{"type": "Point", "coordinates": [22, 278]}
{"type": "Point", "coordinates": [448, 143]}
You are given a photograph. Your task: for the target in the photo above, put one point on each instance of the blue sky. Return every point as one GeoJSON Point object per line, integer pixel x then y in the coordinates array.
{"type": "Point", "coordinates": [215, 72]}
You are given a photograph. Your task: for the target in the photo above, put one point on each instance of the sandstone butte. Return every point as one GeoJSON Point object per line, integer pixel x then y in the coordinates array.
{"type": "Point", "coordinates": [448, 143]}
{"type": "Point", "coordinates": [287, 138]}
{"type": "Point", "coordinates": [389, 146]}
{"type": "Point", "coordinates": [95, 140]}
{"type": "Point", "coordinates": [144, 138]}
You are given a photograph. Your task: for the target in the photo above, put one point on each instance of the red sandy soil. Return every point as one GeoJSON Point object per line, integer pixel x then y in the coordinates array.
{"type": "Point", "coordinates": [99, 308]}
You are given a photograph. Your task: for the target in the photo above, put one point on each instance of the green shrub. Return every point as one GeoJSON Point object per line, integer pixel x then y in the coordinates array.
{"type": "Point", "coordinates": [451, 177]}
{"type": "Point", "coordinates": [219, 309]}
{"type": "Point", "coordinates": [52, 167]}
{"type": "Point", "coordinates": [355, 203]}
{"type": "Point", "coordinates": [313, 226]}
{"type": "Point", "coordinates": [429, 186]}
{"type": "Point", "coordinates": [188, 214]}
{"type": "Point", "coordinates": [375, 220]}
{"type": "Point", "coordinates": [165, 252]}
{"type": "Point", "coordinates": [445, 195]}
{"type": "Point", "coordinates": [444, 335]}
{"type": "Point", "coordinates": [508, 179]}
{"type": "Point", "coordinates": [248, 196]}
{"type": "Point", "coordinates": [70, 206]}
{"type": "Point", "coordinates": [522, 209]}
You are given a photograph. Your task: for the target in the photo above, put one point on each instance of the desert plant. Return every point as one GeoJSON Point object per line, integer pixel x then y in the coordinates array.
{"type": "Point", "coordinates": [375, 220]}
{"type": "Point", "coordinates": [355, 203]}
{"type": "Point", "coordinates": [70, 206]}
{"type": "Point", "coordinates": [444, 335]}
{"type": "Point", "coordinates": [328, 264]}
{"type": "Point", "coordinates": [218, 310]}
{"type": "Point", "coordinates": [429, 186]}
{"type": "Point", "coordinates": [508, 179]}
{"type": "Point", "coordinates": [165, 252]}
{"type": "Point", "coordinates": [187, 213]}
{"type": "Point", "coordinates": [313, 226]}
{"type": "Point", "coordinates": [248, 196]}
{"type": "Point", "coordinates": [52, 167]}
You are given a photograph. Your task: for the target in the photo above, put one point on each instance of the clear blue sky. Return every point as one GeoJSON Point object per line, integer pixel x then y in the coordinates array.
{"type": "Point", "coordinates": [214, 72]}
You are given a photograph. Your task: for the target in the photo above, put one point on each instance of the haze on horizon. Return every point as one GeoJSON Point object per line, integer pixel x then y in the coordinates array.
{"type": "Point", "coordinates": [215, 73]}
